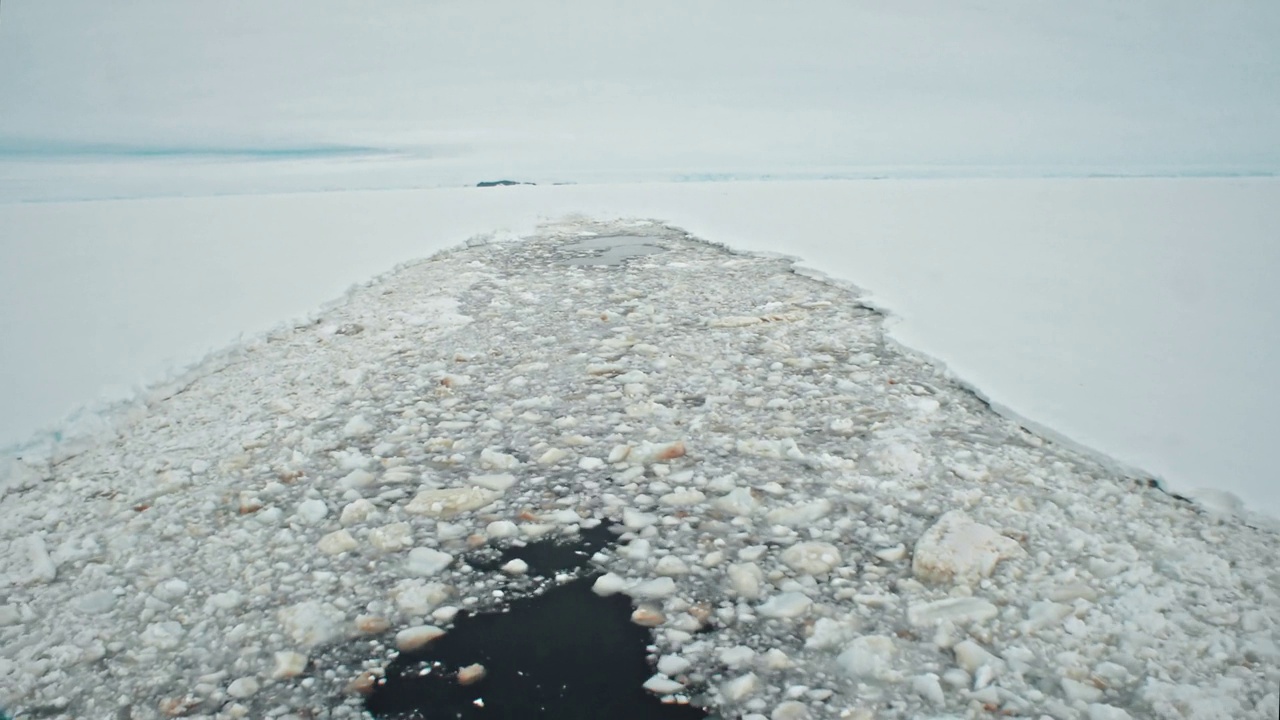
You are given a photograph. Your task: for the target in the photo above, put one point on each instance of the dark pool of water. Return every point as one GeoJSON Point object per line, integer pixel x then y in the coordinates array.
{"type": "Point", "coordinates": [565, 653]}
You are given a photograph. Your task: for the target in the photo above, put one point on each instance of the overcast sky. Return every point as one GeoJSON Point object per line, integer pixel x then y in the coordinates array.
{"type": "Point", "coordinates": [687, 84]}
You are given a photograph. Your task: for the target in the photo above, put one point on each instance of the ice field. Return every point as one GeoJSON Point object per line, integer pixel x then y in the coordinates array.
{"type": "Point", "coordinates": [814, 522]}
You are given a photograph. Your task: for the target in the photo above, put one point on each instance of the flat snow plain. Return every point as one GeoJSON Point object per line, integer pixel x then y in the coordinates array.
{"type": "Point", "coordinates": [1136, 317]}
{"type": "Point", "coordinates": [863, 536]}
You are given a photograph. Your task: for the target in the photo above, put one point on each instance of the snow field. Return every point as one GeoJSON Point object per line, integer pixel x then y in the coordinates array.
{"type": "Point", "coordinates": [1135, 318]}
{"type": "Point", "coordinates": [862, 536]}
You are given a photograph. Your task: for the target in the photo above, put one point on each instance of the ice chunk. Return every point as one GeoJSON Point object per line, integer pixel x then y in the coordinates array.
{"type": "Point", "coordinates": [958, 549]}
{"type": "Point", "coordinates": [390, 538]}
{"type": "Point", "coordinates": [736, 657]}
{"type": "Point", "coordinates": [312, 623]}
{"type": "Point", "coordinates": [672, 665]}
{"type": "Point", "coordinates": [427, 561]}
{"type": "Point", "coordinates": [790, 710]}
{"type": "Point", "coordinates": [451, 501]}
{"type": "Point", "coordinates": [288, 664]}
{"type": "Point", "coordinates": [356, 479]}
{"type": "Point", "coordinates": [515, 567]}
{"type": "Point", "coordinates": [662, 685]}
{"type": "Point", "coordinates": [745, 580]}
{"type": "Point", "coordinates": [609, 584]}
{"type": "Point", "coordinates": [957, 610]}
{"type": "Point", "coordinates": [811, 558]}
{"type": "Point", "coordinates": [357, 426]}
{"type": "Point", "coordinates": [648, 452]}
{"type": "Point", "coordinates": [671, 565]}
{"type": "Point", "coordinates": [337, 542]}
{"type": "Point", "coordinates": [868, 657]}
{"type": "Point", "coordinates": [682, 498]}
{"type": "Point", "coordinates": [417, 637]}
{"type": "Point", "coordinates": [738, 502]}
{"type": "Point", "coordinates": [928, 687]}
{"type": "Point", "coordinates": [802, 514]}
{"type": "Point", "coordinates": [490, 458]}
{"type": "Point", "coordinates": [311, 511]}
{"type": "Point", "coordinates": [971, 656]}
{"type": "Point", "coordinates": [786, 605]}
{"type": "Point", "coordinates": [357, 511]}
{"type": "Point", "coordinates": [656, 588]}
{"type": "Point", "coordinates": [740, 688]}
{"type": "Point", "coordinates": [415, 597]}
{"type": "Point", "coordinates": [827, 633]}
{"type": "Point", "coordinates": [552, 456]}
{"type": "Point", "coordinates": [635, 520]}
{"type": "Point", "coordinates": [501, 529]}
{"type": "Point", "coordinates": [242, 688]}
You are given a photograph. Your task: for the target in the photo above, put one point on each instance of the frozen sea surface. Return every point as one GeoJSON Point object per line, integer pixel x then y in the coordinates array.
{"type": "Point", "coordinates": [1137, 318]}
{"type": "Point", "coordinates": [819, 524]}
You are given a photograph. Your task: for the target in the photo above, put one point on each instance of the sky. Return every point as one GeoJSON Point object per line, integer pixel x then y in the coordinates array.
{"type": "Point", "coordinates": [569, 88]}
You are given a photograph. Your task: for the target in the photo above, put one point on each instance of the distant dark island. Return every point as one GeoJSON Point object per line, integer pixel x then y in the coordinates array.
{"type": "Point", "coordinates": [501, 183]}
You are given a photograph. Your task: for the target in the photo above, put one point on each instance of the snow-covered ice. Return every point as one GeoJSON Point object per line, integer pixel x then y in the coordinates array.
{"type": "Point", "coordinates": [1050, 585]}
{"type": "Point", "coordinates": [1140, 323]}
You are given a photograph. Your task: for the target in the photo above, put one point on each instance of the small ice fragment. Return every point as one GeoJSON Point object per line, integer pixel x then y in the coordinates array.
{"type": "Point", "coordinates": [242, 688]}
{"type": "Point", "coordinates": [390, 538]}
{"type": "Point", "coordinates": [501, 529]}
{"type": "Point", "coordinates": [785, 605]}
{"type": "Point", "coordinates": [289, 664]}
{"type": "Point", "coordinates": [553, 456]}
{"type": "Point", "coordinates": [958, 610]}
{"type": "Point", "coordinates": [656, 588]}
{"type": "Point", "coordinates": [928, 687]}
{"type": "Point", "coordinates": [648, 615]}
{"type": "Point", "coordinates": [609, 584]}
{"type": "Point", "coordinates": [682, 498]}
{"type": "Point", "coordinates": [635, 520]}
{"type": "Point", "coordinates": [312, 623]}
{"type": "Point", "coordinates": [490, 458]}
{"type": "Point", "coordinates": [798, 515]}
{"type": "Point", "coordinates": [336, 543]}
{"type": "Point", "coordinates": [356, 479]}
{"type": "Point", "coordinates": [670, 565]}
{"type": "Point", "coordinates": [357, 511]}
{"type": "Point", "coordinates": [662, 685]}
{"type": "Point", "coordinates": [971, 656]}
{"type": "Point", "coordinates": [745, 580]}
{"type": "Point", "coordinates": [811, 558]}
{"type": "Point", "coordinates": [736, 657]}
{"type": "Point", "coordinates": [471, 674]}
{"type": "Point", "coordinates": [311, 511]}
{"type": "Point", "coordinates": [427, 561]}
{"type": "Point", "coordinates": [740, 688]}
{"type": "Point", "coordinates": [868, 656]}
{"type": "Point", "coordinates": [416, 637]}
{"type": "Point", "coordinates": [672, 665]}
{"type": "Point", "coordinates": [648, 452]}
{"type": "Point", "coordinates": [357, 426]}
